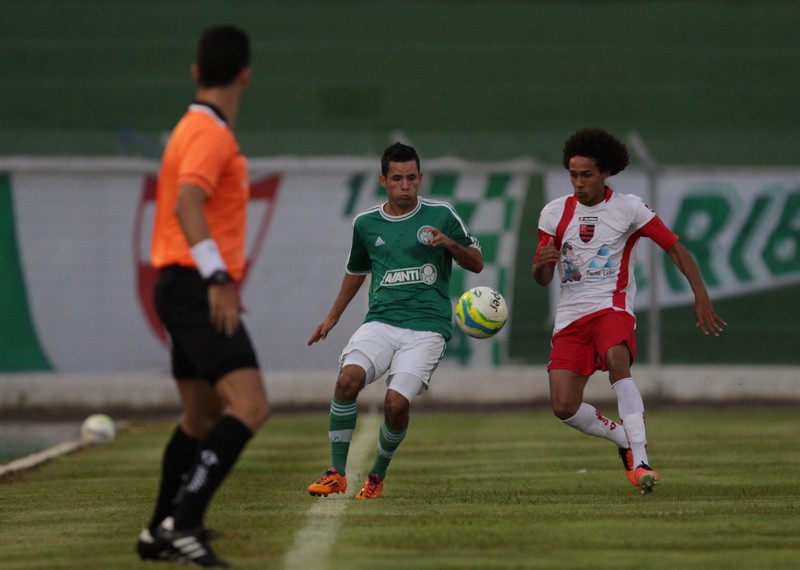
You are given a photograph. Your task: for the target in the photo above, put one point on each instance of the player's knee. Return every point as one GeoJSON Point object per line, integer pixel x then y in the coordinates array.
{"type": "Point", "coordinates": [261, 413]}
{"type": "Point", "coordinates": [395, 410]}
{"type": "Point", "coordinates": [618, 361]}
{"type": "Point", "coordinates": [396, 419]}
{"type": "Point", "coordinates": [351, 381]}
{"type": "Point", "coordinates": [619, 367]}
{"type": "Point", "coordinates": [564, 410]}
{"type": "Point", "coordinates": [253, 413]}
{"type": "Point", "coordinates": [197, 425]}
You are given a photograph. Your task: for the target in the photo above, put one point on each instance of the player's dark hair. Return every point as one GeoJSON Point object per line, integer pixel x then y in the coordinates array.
{"type": "Point", "coordinates": [608, 152]}
{"type": "Point", "coordinates": [398, 152]}
{"type": "Point", "coordinates": [222, 52]}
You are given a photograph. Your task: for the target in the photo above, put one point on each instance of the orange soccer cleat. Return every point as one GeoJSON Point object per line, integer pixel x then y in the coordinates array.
{"type": "Point", "coordinates": [373, 487]}
{"type": "Point", "coordinates": [626, 455]}
{"type": "Point", "coordinates": [330, 482]}
{"type": "Point", "coordinates": [645, 478]}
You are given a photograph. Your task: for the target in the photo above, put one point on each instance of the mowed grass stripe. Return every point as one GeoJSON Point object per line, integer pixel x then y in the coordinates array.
{"type": "Point", "coordinates": [315, 541]}
{"type": "Point", "coordinates": [495, 490]}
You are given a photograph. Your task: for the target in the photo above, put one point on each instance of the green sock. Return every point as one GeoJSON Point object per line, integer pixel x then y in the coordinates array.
{"type": "Point", "coordinates": [341, 425]}
{"type": "Point", "coordinates": [388, 442]}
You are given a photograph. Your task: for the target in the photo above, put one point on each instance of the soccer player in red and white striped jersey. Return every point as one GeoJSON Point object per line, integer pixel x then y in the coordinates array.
{"type": "Point", "coordinates": [589, 238]}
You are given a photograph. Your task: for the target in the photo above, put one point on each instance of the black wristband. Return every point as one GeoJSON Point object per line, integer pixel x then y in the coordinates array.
{"type": "Point", "coordinates": [219, 277]}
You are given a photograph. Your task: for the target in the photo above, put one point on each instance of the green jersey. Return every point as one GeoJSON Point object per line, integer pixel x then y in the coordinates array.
{"type": "Point", "coordinates": [410, 285]}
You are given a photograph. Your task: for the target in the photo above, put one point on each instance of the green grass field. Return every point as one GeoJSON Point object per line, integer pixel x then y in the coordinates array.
{"type": "Point", "coordinates": [465, 491]}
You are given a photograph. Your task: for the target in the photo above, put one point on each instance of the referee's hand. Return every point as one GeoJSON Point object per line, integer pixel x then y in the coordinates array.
{"type": "Point", "coordinates": [225, 307]}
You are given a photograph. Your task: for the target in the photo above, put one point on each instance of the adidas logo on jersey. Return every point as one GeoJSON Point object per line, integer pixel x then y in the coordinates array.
{"type": "Point", "coordinates": [379, 241]}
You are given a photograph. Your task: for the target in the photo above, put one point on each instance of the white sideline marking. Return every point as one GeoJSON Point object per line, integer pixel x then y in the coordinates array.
{"type": "Point", "coordinates": [314, 542]}
{"type": "Point", "coordinates": [35, 459]}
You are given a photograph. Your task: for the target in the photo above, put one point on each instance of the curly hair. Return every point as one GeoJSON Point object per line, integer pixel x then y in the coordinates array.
{"type": "Point", "coordinates": [608, 152]}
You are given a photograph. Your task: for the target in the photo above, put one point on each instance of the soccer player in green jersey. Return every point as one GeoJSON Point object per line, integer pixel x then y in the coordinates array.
{"type": "Point", "coordinates": [408, 245]}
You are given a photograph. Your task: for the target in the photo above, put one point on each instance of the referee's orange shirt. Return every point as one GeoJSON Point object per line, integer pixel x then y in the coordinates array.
{"type": "Point", "coordinates": [203, 151]}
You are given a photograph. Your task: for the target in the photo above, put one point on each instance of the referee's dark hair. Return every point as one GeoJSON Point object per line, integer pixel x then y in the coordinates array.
{"type": "Point", "coordinates": [222, 52]}
{"type": "Point", "coordinates": [608, 152]}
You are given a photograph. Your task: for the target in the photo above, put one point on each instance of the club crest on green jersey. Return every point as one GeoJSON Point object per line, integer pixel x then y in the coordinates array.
{"type": "Point", "coordinates": [426, 274]}
{"type": "Point", "coordinates": [424, 235]}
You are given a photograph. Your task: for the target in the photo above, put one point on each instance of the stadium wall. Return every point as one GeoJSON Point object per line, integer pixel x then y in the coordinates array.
{"type": "Point", "coordinates": [76, 277]}
{"type": "Point", "coordinates": [505, 386]}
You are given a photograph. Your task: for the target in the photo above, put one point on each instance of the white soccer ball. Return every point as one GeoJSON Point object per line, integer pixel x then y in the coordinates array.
{"type": "Point", "coordinates": [98, 429]}
{"type": "Point", "coordinates": [481, 312]}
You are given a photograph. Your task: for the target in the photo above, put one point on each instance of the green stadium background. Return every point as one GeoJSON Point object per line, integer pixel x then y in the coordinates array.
{"type": "Point", "coordinates": [707, 83]}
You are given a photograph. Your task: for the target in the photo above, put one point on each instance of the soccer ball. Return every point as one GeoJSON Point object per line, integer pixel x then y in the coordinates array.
{"type": "Point", "coordinates": [481, 312]}
{"type": "Point", "coordinates": [98, 429]}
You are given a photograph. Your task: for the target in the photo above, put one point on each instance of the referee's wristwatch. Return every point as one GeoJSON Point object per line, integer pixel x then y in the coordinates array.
{"type": "Point", "coordinates": [219, 277]}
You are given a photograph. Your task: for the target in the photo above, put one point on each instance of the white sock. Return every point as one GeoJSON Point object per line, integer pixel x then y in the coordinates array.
{"type": "Point", "coordinates": [590, 421]}
{"type": "Point", "coordinates": [631, 412]}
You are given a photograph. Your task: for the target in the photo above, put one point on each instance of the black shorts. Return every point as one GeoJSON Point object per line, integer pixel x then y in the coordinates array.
{"type": "Point", "coordinates": [198, 349]}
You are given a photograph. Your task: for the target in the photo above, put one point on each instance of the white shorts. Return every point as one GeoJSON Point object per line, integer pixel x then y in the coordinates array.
{"type": "Point", "coordinates": [410, 357]}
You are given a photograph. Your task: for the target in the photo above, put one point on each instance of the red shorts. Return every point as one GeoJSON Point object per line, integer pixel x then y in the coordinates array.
{"type": "Point", "coordinates": [582, 345]}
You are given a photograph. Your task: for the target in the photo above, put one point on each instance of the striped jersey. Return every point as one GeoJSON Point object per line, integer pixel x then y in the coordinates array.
{"type": "Point", "coordinates": [597, 245]}
{"type": "Point", "coordinates": [202, 151]}
{"type": "Point", "coordinates": [410, 284]}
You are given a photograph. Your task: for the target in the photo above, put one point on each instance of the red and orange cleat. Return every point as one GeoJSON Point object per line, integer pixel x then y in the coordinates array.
{"type": "Point", "coordinates": [373, 487]}
{"type": "Point", "coordinates": [626, 455]}
{"type": "Point", "coordinates": [646, 479]}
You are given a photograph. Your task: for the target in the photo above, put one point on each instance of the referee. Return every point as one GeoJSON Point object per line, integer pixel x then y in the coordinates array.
{"type": "Point", "coordinates": [198, 247]}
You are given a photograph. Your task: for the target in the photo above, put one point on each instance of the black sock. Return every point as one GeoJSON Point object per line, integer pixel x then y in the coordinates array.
{"type": "Point", "coordinates": [178, 458]}
{"type": "Point", "coordinates": [216, 456]}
